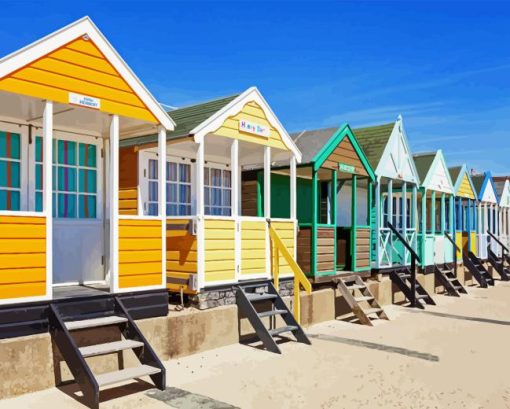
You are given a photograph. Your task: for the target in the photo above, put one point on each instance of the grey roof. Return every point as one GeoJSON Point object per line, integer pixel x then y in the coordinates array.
{"type": "Point", "coordinates": [373, 140]}
{"type": "Point", "coordinates": [423, 162]}
{"type": "Point", "coordinates": [478, 181]}
{"type": "Point", "coordinates": [499, 181]}
{"type": "Point", "coordinates": [454, 173]}
{"type": "Point", "coordinates": [186, 119]}
{"type": "Point", "coordinates": [311, 142]}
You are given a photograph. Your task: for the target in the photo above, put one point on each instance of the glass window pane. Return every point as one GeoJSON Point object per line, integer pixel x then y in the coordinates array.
{"type": "Point", "coordinates": [171, 169]}
{"type": "Point", "coordinates": [226, 178]}
{"type": "Point", "coordinates": [215, 177]}
{"type": "Point", "coordinates": [66, 205]}
{"type": "Point", "coordinates": [207, 196]}
{"type": "Point", "coordinates": [185, 194]}
{"type": "Point", "coordinates": [38, 177]}
{"type": "Point", "coordinates": [38, 202]}
{"type": "Point", "coordinates": [38, 149]}
{"type": "Point", "coordinates": [152, 209]}
{"type": "Point", "coordinates": [9, 174]}
{"type": "Point", "coordinates": [87, 207]}
{"type": "Point", "coordinates": [9, 200]}
{"type": "Point", "coordinates": [87, 154]}
{"type": "Point", "coordinates": [184, 173]}
{"type": "Point", "coordinates": [216, 196]}
{"type": "Point", "coordinates": [206, 176]}
{"type": "Point", "coordinates": [87, 181]}
{"type": "Point", "coordinates": [172, 210]}
{"type": "Point", "coordinates": [153, 169]}
{"type": "Point", "coordinates": [66, 152]}
{"type": "Point", "coordinates": [226, 197]}
{"type": "Point", "coordinates": [66, 179]}
{"type": "Point", "coordinates": [9, 145]}
{"type": "Point", "coordinates": [153, 191]}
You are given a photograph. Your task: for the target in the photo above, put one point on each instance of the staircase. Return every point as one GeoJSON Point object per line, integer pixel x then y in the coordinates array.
{"type": "Point", "coordinates": [67, 317]}
{"type": "Point", "coordinates": [251, 300]}
{"type": "Point", "coordinates": [445, 275]}
{"type": "Point", "coordinates": [477, 270]}
{"type": "Point", "coordinates": [499, 264]}
{"type": "Point", "coordinates": [402, 279]}
{"type": "Point", "coordinates": [360, 299]}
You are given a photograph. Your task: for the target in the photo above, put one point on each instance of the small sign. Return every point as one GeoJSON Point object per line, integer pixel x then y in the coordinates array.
{"type": "Point", "coordinates": [346, 168]}
{"type": "Point", "coordinates": [84, 101]}
{"type": "Point", "coordinates": [253, 128]}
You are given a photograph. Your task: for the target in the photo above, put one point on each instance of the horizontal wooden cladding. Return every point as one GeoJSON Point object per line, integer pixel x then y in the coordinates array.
{"type": "Point", "coordinates": [253, 247]}
{"type": "Point", "coordinates": [79, 67]}
{"type": "Point", "coordinates": [363, 247]}
{"type": "Point", "coordinates": [219, 250]}
{"type": "Point", "coordinates": [252, 112]}
{"type": "Point", "coordinates": [286, 231]}
{"type": "Point", "coordinates": [304, 248]}
{"type": "Point", "coordinates": [22, 256]}
{"type": "Point", "coordinates": [249, 197]}
{"type": "Point", "coordinates": [140, 242]}
{"type": "Point", "coordinates": [345, 153]}
{"type": "Point", "coordinates": [325, 249]}
{"type": "Point", "coordinates": [181, 253]}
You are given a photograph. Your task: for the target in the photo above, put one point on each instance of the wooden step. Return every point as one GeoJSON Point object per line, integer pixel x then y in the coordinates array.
{"type": "Point", "coordinates": [95, 322]}
{"type": "Point", "coordinates": [271, 313]}
{"type": "Point", "coordinates": [355, 287]}
{"type": "Point", "coordinates": [254, 297]}
{"type": "Point", "coordinates": [364, 298]}
{"type": "Point", "coordinates": [369, 311]}
{"type": "Point", "coordinates": [109, 347]}
{"type": "Point", "coordinates": [110, 378]}
{"type": "Point", "coordinates": [278, 331]}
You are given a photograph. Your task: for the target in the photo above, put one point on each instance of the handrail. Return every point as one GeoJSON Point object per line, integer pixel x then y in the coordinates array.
{"type": "Point", "coordinates": [414, 258]}
{"type": "Point", "coordinates": [492, 236]}
{"type": "Point", "coordinates": [404, 241]}
{"type": "Point", "coordinates": [300, 278]}
{"type": "Point", "coordinates": [456, 249]}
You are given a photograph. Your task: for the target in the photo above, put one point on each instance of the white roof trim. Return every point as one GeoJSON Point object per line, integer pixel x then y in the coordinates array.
{"type": "Point", "coordinates": [439, 161]}
{"type": "Point", "coordinates": [504, 200]}
{"type": "Point", "coordinates": [233, 107]}
{"type": "Point", "coordinates": [40, 48]}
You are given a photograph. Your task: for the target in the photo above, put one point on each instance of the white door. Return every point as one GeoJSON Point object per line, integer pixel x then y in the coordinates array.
{"type": "Point", "coordinates": [78, 225]}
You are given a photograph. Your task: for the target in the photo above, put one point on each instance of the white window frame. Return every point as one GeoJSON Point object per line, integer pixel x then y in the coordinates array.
{"type": "Point", "coordinates": [222, 167]}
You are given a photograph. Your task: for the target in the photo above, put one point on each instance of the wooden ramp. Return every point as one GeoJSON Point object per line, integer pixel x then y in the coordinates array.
{"type": "Point", "coordinates": [359, 298]}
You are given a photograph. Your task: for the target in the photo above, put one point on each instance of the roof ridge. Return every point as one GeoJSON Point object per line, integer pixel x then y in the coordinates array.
{"type": "Point", "coordinates": [206, 102]}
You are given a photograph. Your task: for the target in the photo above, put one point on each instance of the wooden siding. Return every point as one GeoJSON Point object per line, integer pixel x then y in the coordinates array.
{"type": "Point", "coordinates": [304, 249]}
{"type": "Point", "coordinates": [253, 247]}
{"type": "Point", "coordinates": [345, 153]}
{"type": "Point", "coordinates": [22, 256]}
{"type": "Point", "coordinates": [465, 189]}
{"type": "Point", "coordinates": [181, 253]}
{"type": "Point", "coordinates": [78, 67]}
{"type": "Point", "coordinates": [362, 248]}
{"type": "Point", "coordinates": [219, 250]}
{"type": "Point", "coordinates": [473, 243]}
{"type": "Point", "coordinates": [140, 247]}
{"type": "Point", "coordinates": [128, 181]}
{"type": "Point", "coordinates": [286, 231]}
{"type": "Point", "coordinates": [325, 249]}
{"type": "Point", "coordinates": [249, 198]}
{"type": "Point", "coordinates": [459, 241]}
{"type": "Point", "coordinates": [252, 112]}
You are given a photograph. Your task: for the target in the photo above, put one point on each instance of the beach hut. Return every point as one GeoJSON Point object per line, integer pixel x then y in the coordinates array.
{"type": "Point", "coordinates": [487, 214]}
{"type": "Point", "coordinates": [466, 224]}
{"type": "Point", "coordinates": [503, 190]}
{"type": "Point", "coordinates": [68, 259]}
{"type": "Point", "coordinates": [215, 238]}
{"type": "Point", "coordinates": [394, 203]}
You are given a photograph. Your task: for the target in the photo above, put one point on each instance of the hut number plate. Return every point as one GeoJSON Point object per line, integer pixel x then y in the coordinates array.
{"type": "Point", "coordinates": [346, 168]}
{"type": "Point", "coordinates": [253, 128]}
{"type": "Point", "coordinates": [84, 101]}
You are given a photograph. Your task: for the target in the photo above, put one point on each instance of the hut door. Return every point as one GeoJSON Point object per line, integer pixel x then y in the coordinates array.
{"type": "Point", "coordinates": [78, 229]}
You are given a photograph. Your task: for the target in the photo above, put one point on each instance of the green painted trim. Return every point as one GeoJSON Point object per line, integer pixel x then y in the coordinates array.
{"type": "Point", "coordinates": [370, 187]}
{"type": "Point", "coordinates": [325, 273]}
{"type": "Point", "coordinates": [333, 212]}
{"type": "Point", "coordinates": [443, 215]}
{"type": "Point", "coordinates": [260, 195]}
{"type": "Point", "coordinates": [330, 146]}
{"type": "Point", "coordinates": [433, 212]}
{"type": "Point", "coordinates": [315, 211]}
{"type": "Point", "coordinates": [354, 194]}
{"type": "Point", "coordinates": [423, 223]}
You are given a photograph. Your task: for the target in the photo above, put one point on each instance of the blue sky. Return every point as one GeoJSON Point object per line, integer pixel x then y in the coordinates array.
{"type": "Point", "coordinates": [445, 66]}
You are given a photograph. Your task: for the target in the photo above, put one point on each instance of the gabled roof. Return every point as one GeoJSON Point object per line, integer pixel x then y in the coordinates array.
{"type": "Point", "coordinates": [200, 119]}
{"type": "Point", "coordinates": [373, 140]}
{"type": "Point", "coordinates": [457, 174]}
{"type": "Point", "coordinates": [83, 30]}
{"type": "Point", "coordinates": [504, 193]}
{"type": "Point", "coordinates": [433, 172]}
{"type": "Point", "coordinates": [485, 187]}
{"type": "Point", "coordinates": [318, 144]}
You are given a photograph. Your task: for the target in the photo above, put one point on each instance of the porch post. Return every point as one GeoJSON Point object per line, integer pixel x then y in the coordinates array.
{"type": "Point", "coordinates": [443, 213]}
{"type": "Point", "coordinates": [315, 210]}
{"type": "Point", "coordinates": [378, 211]}
{"type": "Point", "coordinates": [390, 219]}
{"type": "Point", "coordinates": [480, 219]}
{"type": "Point", "coordinates": [354, 205]}
{"type": "Point", "coordinates": [200, 179]}
{"type": "Point", "coordinates": [114, 203]}
{"type": "Point", "coordinates": [48, 191]}
{"type": "Point", "coordinates": [403, 209]}
{"type": "Point", "coordinates": [423, 224]}
{"type": "Point", "coordinates": [267, 182]}
{"type": "Point", "coordinates": [234, 201]}
{"type": "Point", "coordinates": [162, 197]}
{"type": "Point", "coordinates": [452, 212]}
{"type": "Point", "coordinates": [433, 212]}
{"type": "Point", "coordinates": [414, 215]}
{"type": "Point", "coordinates": [293, 181]}
{"type": "Point", "coordinates": [200, 210]}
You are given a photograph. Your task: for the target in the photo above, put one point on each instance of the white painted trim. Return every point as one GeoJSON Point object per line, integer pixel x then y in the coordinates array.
{"type": "Point", "coordinates": [114, 204]}
{"type": "Point", "coordinates": [23, 300]}
{"type": "Point", "coordinates": [199, 195]}
{"type": "Point", "coordinates": [267, 182]}
{"type": "Point", "coordinates": [136, 289]}
{"type": "Point", "coordinates": [162, 199]}
{"type": "Point", "coordinates": [133, 217]}
{"type": "Point", "coordinates": [235, 172]}
{"type": "Point", "coordinates": [48, 190]}
{"type": "Point", "coordinates": [293, 189]}
{"type": "Point", "coordinates": [79, 28]}
{"type": "Point", "coordinates": [234, 107]}
{"type": "Point", "coordinates": [21, 213]}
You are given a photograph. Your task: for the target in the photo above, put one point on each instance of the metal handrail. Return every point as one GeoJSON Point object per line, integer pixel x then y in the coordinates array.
{"type": "Point", "coordinates": [455, 248]}
{"type": "Point", "coordinates": [404, 241]}
{"type": "Point", "coordinates": [492, 236]}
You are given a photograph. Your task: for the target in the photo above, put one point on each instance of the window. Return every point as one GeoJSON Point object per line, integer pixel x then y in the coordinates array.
{"type": "Point", "coordinates": [74, 179]}
{"type": "Point", "coordinates": [217, 191]}
{"type": "Point", "coordinates": [178, 188]}
{"type": "Point", "coordinates": [10, 171]}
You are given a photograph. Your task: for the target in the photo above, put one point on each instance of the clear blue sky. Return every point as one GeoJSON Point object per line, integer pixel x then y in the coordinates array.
{"type": "Point", "coordinates": [444, 66]}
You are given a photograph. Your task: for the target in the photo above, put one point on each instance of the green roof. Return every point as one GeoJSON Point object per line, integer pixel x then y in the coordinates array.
{"type": "Point", "coordinates": [454, 173]}
{"type": "Point", "coordinates": [373, 140]}
{"type": "Point", "coordinates": [478, 181]}
{"type": "Point", "coordinates": [423, 162]}
{"type": "Point", "coordinates": [186, 119]}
